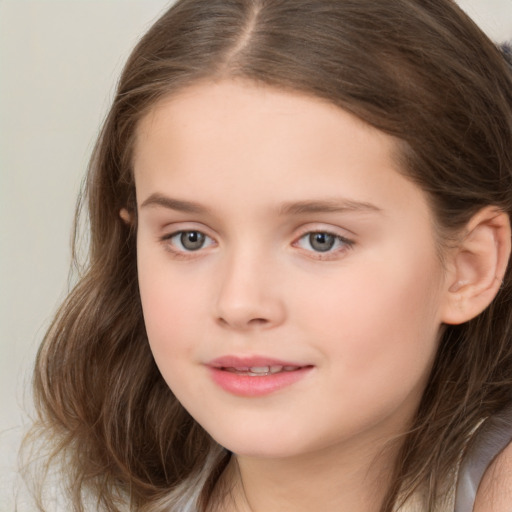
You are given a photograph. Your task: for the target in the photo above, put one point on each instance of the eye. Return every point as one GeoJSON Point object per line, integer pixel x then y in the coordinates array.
{"type": "Point", "coordinates": [320, 241]}
{"type": "Point", "coordinates": [189, 241]}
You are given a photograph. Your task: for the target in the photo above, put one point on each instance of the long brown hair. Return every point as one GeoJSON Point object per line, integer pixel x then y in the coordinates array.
{"type": "Point", "coordinates": [419, 70]}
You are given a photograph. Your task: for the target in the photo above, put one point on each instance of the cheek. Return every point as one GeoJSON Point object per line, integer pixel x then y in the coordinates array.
{"type": "Point", "coordinates": [172, 315]}
{"type": "Point", "coordinates": [170, 306]}
{"type": "Point", "coordinates": [379, 322]}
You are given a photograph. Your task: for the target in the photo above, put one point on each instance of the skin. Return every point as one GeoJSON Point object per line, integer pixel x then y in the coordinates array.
{"type": "Point", "coordinates": [365, 315]}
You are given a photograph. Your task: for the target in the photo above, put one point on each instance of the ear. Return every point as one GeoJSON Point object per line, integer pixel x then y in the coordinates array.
{"type": "Point", "coordinates": [126, 216]}
{"type": "Point", "coordinates": [477, 265]}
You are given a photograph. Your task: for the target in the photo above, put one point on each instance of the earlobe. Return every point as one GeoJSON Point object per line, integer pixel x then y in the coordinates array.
{"type": "Point", "coordinates": [126, 216]}
{"type": "Point", "coordinates": [477, 265]}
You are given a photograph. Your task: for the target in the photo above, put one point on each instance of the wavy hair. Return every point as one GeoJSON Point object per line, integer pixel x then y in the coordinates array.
{"type": "Point", "coordinates": [419, 70]}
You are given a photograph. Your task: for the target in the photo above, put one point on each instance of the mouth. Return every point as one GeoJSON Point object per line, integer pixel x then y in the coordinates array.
{"type": "Point", "coordinates": [259, 371]}
{"type": "Point", "coordinates": [255, 376]}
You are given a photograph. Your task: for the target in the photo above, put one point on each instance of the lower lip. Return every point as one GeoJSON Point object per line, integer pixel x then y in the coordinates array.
{"type": "Point", "coordinates": [248, 385]}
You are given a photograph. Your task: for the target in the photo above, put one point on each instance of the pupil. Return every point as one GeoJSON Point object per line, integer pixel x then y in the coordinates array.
{"type": "Point", "coordinates": [192, 240]}
{"type": "Point", "coordinates": [321, 242]}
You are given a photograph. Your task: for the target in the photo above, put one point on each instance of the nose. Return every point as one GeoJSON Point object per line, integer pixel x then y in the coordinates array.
{"type": "Point", "coordinates": [250, 296]}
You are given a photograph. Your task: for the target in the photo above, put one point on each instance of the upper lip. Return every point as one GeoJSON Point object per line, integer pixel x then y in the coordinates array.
{"type": "Point", "coordinates": [250, 362]}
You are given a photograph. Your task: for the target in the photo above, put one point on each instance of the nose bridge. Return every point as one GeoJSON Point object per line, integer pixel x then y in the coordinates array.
{"type": "Point", "coordinates": [248, 294]}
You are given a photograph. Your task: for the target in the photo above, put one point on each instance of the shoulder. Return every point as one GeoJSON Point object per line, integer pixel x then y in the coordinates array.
{"type": "Point", "coordinates": [495, 491]}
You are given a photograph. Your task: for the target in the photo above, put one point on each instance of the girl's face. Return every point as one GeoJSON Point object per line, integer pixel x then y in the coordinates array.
{"type": "Point", "coordinates": [290, 279]}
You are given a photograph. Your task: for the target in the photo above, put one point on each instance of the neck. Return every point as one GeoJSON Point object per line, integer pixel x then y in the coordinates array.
{"type": "Point", "coordinates": [344, 479]}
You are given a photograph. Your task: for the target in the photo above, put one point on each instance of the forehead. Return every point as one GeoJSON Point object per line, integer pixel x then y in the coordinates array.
{"type": "Point", "coordinates": [255, 105]}
{"type": "Point", "coordinates": [239, 139]}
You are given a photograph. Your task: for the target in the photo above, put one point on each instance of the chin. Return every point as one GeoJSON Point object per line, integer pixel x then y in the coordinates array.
{"type": "Point", "coordinates": [266, 443]}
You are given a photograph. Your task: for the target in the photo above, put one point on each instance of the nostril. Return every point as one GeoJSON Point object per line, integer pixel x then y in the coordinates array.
{"type": "Point", "coordinates": [258, 321]}
{"type": "Point", "coordinates": [242, 322]}
{"type": "Point", "coordinates": [247, 310]}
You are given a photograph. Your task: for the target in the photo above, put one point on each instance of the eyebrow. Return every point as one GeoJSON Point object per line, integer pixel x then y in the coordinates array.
{"type": "Point", "coordinates": [334, 205]}
{"type": "Point", "coordinates": [174, 204]}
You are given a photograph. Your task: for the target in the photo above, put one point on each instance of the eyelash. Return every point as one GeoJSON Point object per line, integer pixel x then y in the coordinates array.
{"type": "Point", "coordinates": [340, 244]}
{"type": "Point", "coordinates": [183, 251]}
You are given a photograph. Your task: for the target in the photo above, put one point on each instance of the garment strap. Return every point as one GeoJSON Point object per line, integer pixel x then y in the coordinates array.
{"type": "Point", "coordinates": [494, 435]}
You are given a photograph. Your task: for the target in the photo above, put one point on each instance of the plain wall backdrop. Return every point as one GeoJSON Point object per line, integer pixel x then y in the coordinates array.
{"type": "Point", "coordinates": [59, 62]}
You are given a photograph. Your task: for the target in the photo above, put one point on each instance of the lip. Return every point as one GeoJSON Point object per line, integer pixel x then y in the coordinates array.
{"type": "Point", "coordinates": [250, 361]}
{"type": "Point", "coordinates": [250, 385]}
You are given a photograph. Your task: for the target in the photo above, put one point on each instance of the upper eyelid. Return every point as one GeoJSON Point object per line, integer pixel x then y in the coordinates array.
{"type": "Point", "coordinates": [168, 230]}
{"type": "Point", "coordinates": [325, 232]}
{"type": "Point", "coordinates": [343, 239]}
{"type": "Point", "coordinates": [337, 231]}
{"type": "Point", "coordinates": [197, 225]}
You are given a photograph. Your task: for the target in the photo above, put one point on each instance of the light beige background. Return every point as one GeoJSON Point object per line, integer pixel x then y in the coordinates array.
{"type": "Point", "coordinates": [59, 61]}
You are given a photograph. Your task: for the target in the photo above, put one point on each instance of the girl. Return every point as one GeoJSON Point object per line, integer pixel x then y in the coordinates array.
{"type": "Point", "coordinates": [297, 295]}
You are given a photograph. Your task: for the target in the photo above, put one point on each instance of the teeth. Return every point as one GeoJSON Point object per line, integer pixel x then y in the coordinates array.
{"type": "Point", "coordinates": [259, 371]}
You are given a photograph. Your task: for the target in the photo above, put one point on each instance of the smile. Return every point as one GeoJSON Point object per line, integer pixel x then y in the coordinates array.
{"type": "Point", "coordinates": [260, 371]}
{"type": "Point", "coordinates": [256, 376]}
